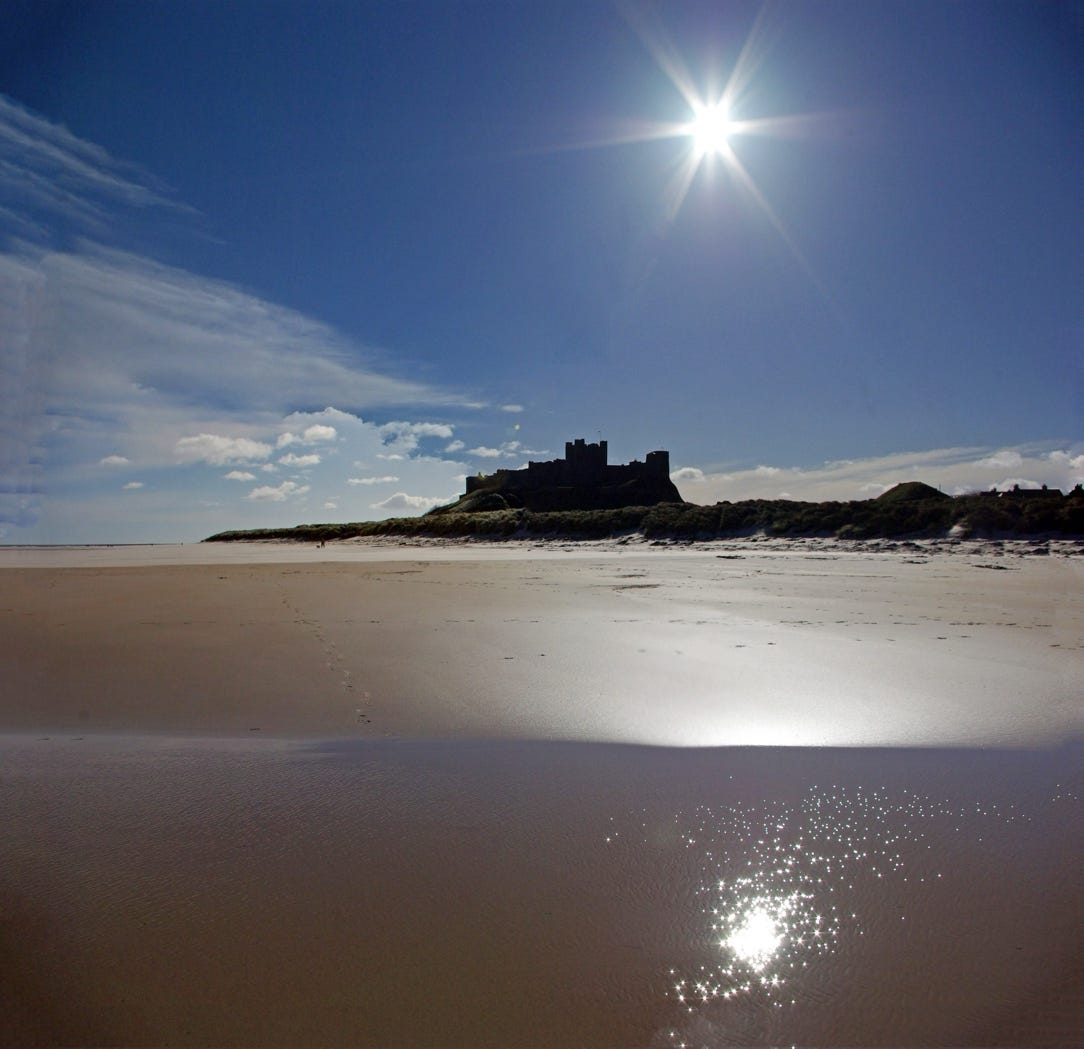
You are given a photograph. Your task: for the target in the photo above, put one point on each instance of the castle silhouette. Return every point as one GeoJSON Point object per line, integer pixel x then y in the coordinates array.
{"type": "Point", "coordinates": [582, 480]}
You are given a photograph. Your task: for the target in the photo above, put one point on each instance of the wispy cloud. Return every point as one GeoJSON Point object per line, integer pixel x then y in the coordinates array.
{"type": "Point", "coordinates": [185, 340]}
{"type": "Point", "coordinates": [387, 479]}
{"type": "Point", "coordinates": [46, 170]}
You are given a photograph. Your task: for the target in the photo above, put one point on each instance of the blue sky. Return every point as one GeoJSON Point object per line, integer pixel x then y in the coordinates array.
{"type": "Point", "coordinates": [266, 263]}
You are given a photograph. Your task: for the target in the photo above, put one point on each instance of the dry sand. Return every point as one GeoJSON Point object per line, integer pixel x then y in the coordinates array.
{"type": "Point", "coordinates": [384, 796]}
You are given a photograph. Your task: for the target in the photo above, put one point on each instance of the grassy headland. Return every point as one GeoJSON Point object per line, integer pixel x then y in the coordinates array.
{"type": "Point", "coordinates": [908, 510]}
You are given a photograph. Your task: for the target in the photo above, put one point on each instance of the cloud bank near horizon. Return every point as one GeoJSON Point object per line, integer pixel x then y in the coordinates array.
{"type": "Point", "coordinates": [955, 471]}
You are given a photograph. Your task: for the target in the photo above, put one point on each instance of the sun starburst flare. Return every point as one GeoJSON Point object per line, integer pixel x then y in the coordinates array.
{"type": "Point", "coordinates": [712, 125]}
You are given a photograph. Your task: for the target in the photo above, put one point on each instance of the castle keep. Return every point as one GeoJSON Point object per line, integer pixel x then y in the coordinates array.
{"type": "Point", "coordinates": [582, 480]}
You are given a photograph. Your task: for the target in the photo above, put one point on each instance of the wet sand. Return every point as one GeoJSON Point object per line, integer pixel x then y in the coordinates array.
{"type": "Point", "coordinates": [507, 893]}
{"type": "Point", "coordinates": [462, 797]}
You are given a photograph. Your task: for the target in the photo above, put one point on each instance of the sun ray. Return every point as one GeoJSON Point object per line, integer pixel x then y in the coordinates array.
{"type": "Point", "coordinates": [758, 43]}
{"type": "Point", "coordinates": [658, 45]}
{"type": "Point", "coordinates": [738, 170]}
{"type": "Point", "coordinates": [678, 185]}
{"type": "Point", "coordinates": [633, 133]}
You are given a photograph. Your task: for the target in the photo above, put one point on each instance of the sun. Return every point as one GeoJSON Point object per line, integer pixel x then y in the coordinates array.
{"type": "Point", "coordinates": [710, 129]}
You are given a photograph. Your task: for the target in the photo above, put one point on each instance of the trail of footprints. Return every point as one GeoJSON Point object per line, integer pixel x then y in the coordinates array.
{"type": "Point", "coordinates": [333, 659]}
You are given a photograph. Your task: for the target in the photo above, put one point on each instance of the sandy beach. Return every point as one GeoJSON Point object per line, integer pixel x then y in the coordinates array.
{"type": "Point", "coordinates": [542, 794]}
{"type": "Point", "coordinates": [723, 646]}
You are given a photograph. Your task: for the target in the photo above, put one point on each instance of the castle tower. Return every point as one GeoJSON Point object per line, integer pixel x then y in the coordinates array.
{"type": "Point", "coordinates": [657, 464]}
{"type": "Point", "coordinates": [585, 463]}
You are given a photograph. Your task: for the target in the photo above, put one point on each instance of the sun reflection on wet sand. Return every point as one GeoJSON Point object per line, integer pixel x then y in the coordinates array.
{"type": "Point", "coordinates": [789, 890]}
{"type": "Point", "coordinates": [757, 933]}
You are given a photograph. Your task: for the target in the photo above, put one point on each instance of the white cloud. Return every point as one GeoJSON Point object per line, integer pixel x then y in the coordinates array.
{"type": "Point", "coordinates": [372, 480]}
{"type": "Point", "coordinates": [278, 494]}
{"type": "Point", "coordinates": [1065, 460]}
{"type": "Point", "coordinates": [391, 457]}
{"type": "Point", "coordinates": [454, 446]}
{"type": "Point", "coordinates": [687, 473]}
{"type": "Point", "coordinates": [299, 461]}
{"type": "Point", "coordinates": [511, 407]}
{"type": "Point", "coordinates": [131, 486]}
{"type": "Point", "coordinates": [506, 450]}
{"type": "Point", "coordinates": [766, 471]}
{"type": "Point", "coordinates": [316, 433]}
{"type": "Point", "coordinates": [310, 435]}
{"type": "Point", "coordinates": [403, 437]}
{"type": "Point", "coordinates": [115, 460]}
{"type": "Point", "coordinates": [415, 503]}
{"type": "Point", "coordinates": [329, 505]}
{"type": "Point", "coordinates": [218, 450]}
{"type": "Point", "coordinates": [239, 475]}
